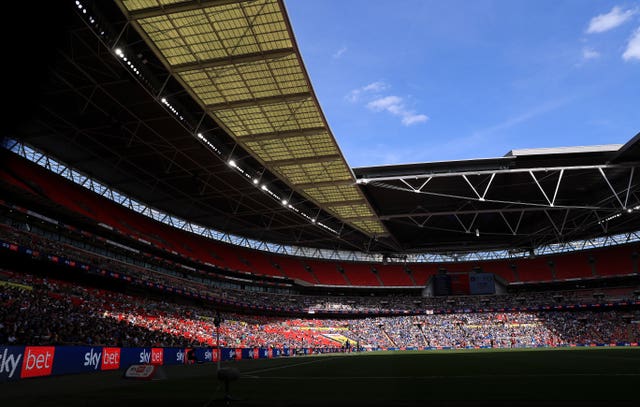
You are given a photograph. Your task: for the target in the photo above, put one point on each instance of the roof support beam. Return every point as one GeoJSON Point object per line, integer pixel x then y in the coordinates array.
{"type": "Point", "coordinates": [471, 212]}
{"type": "Point", "coordinates": [474, 197]}
{"type": "Point", "coordinates": [414, 189]}
{"type": "Point", "coordinates": [305, 160]}
{"type": "Point", "coordinates": [419, 224]}
{"type": "Point", "coordinates": [540, 187]}
{"type": "Point", "coordinates": [234, 60]}
{"type": "Point", "coordinates": [331, 204]}
{"type": "Point", "coordinates": [325, 184]}
{"type": "Point", "coordinates": [270, 100]}
{"type": "Point", "coordinates": [278, 135]}
{"type": "Point", "coordinates": [555, 193]}
{"type": "Point", "coordinates": [467, 229]}
{"type": "Point", "coordinates": [475, 190]}
{"type": "Point", "coordinates": [480, 197]}
{"type": "Point", "coordinates": [178, 8]}
{"type": "Point", "coordinates": [611, 187]}
{"type": "Point", "coordinates": [513, 231]}
{"type": "Point", "coordinates": [352, 218]}
{"type": "Point", "coordinates": [365, 180]}
{"type": "Point", "coordinates": [626, 198]}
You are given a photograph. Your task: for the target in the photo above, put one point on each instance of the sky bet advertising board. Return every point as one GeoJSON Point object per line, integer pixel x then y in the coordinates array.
{"type": "Point", "coordinates": [21, 362]}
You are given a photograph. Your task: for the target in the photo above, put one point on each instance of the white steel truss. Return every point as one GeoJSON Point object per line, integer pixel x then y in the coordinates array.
{"type": "Point", "coordinates": [36, 156]}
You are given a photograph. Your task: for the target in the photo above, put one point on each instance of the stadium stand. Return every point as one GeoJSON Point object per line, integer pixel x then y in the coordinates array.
{"type": "Point", "coordinates": [533, 269]}
{"type": "Point", "coordinates": [360, 274]}
{"type": "Point", "coordinates": [44, 311]}
{"type": "Point", "coordinates": [394, 275]}
{"type": "Point", "coordinates": [34, 179]}
{"type": "Point", "coordinates": [422, 272]}
{"type": "Point", "coordinates": [616, 261]}
{"type": "Point", "coordinates": [571, 266]}
{"type": "Point", "coordinates": [294, 269]}
{"type": "Point", "coordinates": [499, 268]}
{"type": "Point", "coordinates": [260, 264]}
{"type": "Point", "coordinates": [327, 273]}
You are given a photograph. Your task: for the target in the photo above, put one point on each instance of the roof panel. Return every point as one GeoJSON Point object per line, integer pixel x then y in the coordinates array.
{"type": "Point", "coordinates": [292, 147]}
{"type": "Point", "coordinates": [333, 193]}
{"type": "Point", "coordinates": [283, 116]}
{"type": "Point", "coordinates": [352, 211]}
{"type": "Point", "coordinates": [372, 227]}
{"type": "Point", "coordinates": [134, 5]}
{"type": "Point", "coordinates": [315, 172]}
{"type": "Point", "coordinates": [230, 57]}
{"type": "Point", "coordinates": [217, 32]}
{"type": "Point", "coordinates": [245, 81]}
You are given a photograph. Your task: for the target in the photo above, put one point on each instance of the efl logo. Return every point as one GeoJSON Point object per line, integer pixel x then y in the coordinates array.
{"type": "Point", "coordinates": [38, 361]}
{"type": "Point", "coordinates": [216, 355]}
{"type": "Point", "coordinates": [157, 356]}
{"type": "Point", "coordinates": [110, 358]}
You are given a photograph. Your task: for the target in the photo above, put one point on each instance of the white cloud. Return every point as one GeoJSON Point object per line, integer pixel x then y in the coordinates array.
{"type": "Point", "coordinates": [373, 87]}
{"type": "Point", "coordinates": [590, 53]}
{"type": "Point", "coordinates": [633, 47]}
{"type": "Point", "coordinates": [411, 118]}
{"type": "Point", "coordinates": [609, 21]}
{"type": "Point", "coordinates": [395, 106]}
{"type": "Point", "coordinates": [385, 103]}
{"type": "Point", "coordinates": [339, 52]}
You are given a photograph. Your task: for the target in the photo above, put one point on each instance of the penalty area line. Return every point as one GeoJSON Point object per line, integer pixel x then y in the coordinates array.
{"type": "Point", "coordinates": [251, 373]}
{"type": "Point", "coordinates": [440, 376]}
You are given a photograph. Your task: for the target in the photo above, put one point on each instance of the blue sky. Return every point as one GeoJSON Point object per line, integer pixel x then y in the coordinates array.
{"type": "Point", "coordinates": [415, 80]}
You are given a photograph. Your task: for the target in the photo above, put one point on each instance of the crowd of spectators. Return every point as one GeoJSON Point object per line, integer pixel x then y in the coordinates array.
{"type": "Point", "coordinates": [312, 303]}
{"type": "Point", "coordinates": [41, 311]}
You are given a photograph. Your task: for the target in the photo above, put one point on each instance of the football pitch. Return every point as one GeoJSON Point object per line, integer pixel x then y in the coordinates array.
{"type": "Point", "coordinates": [574, 377]}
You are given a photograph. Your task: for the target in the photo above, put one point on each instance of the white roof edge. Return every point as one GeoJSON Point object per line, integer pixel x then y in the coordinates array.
{"type": "Point", "coordinates": [565, 150]}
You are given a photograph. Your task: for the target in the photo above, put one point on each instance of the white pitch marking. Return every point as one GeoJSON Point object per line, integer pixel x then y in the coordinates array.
{"type": "Point", "coordinates": [439, 376]}
{"type": "Point", "coordinates": [252, 372]}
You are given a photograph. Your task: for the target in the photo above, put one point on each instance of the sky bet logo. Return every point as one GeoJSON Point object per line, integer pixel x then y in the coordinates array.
{"type": "Point", "coordinates": [8, 363]}
{"type": "Point", "coordinates": [145, 357]}
{"type": "Point", "coordinates": [110, 358]}
{"type": "Point", "coordinates": [92, 359]}
{"type": "Point", "coordinates": [38, 361]}
{"type": "Point", "coordinates": [157, 356]}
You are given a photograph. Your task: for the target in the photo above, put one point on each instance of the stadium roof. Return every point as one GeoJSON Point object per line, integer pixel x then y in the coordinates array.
{"type": "Point", "coordinates": [520, 201]}
{"type": "Point", "coordinates": [204, 109]}
{"type": "Point", "coordinates": [239, 60]}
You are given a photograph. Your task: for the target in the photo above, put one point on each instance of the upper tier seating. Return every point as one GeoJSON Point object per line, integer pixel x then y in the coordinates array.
{"type": "Point", "coordinates": [33, 179]}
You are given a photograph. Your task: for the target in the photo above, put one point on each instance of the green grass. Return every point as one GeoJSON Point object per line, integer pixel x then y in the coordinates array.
{"type": "Point", "coordinates": [577, 376]}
